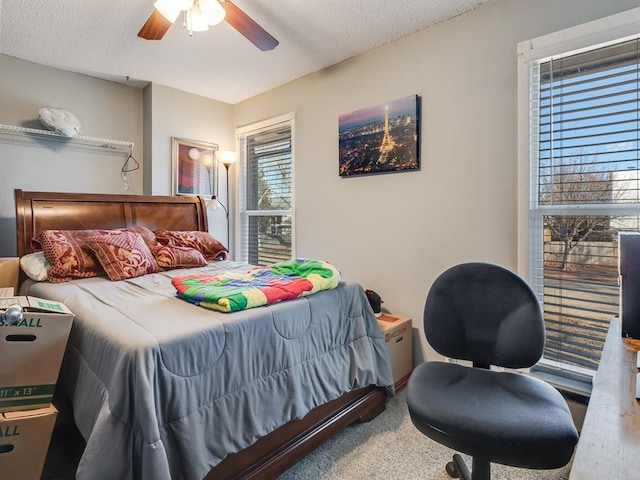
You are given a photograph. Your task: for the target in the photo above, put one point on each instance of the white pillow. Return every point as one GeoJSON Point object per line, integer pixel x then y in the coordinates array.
{"type": "Point", "coordinates": [60, 121]}
{"type": "Point", "coordinates": [35, 266]}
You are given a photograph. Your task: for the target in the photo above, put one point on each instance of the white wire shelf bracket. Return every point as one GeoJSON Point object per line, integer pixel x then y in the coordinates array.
{"type": "Point", "coordinates": [104, 143]}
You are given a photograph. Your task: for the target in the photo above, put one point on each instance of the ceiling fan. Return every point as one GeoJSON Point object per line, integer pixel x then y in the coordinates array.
{"type": "Point", "coordinates": [199, 14]}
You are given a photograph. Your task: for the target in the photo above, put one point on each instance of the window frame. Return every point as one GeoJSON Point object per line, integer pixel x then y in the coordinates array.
{"type": "Point", "coordinates": [584, 37]}
{"type": "Point", "coordinates": [243, 132]}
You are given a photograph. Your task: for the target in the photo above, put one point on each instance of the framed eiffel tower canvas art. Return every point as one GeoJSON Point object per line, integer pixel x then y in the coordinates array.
{"type": "Point", "coordinates": [380, 139]}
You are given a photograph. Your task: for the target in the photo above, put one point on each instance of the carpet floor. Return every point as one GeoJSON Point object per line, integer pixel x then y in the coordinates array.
{"type": "Point", "coordinates": [387, 448]}
{"type": "Point", "coordinates": [390, 447]}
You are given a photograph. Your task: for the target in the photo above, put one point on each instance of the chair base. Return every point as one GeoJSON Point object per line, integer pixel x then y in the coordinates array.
{"type": "Point", "coordinates": [457, 468]}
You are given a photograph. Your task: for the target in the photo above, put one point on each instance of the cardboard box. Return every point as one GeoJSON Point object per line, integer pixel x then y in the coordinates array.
{"type": "Point", "coordinates": [24, 441]}
{"type": "Point", "coordinates": [9, 272]}
{"type": "Point", "coordinates": [398, 336]}
{"type": "Point", "coordinates": [31, 352]}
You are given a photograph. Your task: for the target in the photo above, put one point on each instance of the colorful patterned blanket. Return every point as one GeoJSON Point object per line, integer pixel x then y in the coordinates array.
{"type": "Point", "coordinates": [230, 292]}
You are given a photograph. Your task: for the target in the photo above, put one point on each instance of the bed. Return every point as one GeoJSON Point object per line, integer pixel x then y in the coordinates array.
{"type": "Point", "coordinates": [162, 388]}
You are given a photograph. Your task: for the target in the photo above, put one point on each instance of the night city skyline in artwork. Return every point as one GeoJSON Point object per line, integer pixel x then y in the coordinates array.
{"type": "Point", "coordinates": [380, 139]}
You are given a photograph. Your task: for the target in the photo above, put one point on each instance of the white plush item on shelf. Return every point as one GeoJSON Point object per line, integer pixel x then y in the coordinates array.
{"type": "Point", "coordinates": [60, 121]}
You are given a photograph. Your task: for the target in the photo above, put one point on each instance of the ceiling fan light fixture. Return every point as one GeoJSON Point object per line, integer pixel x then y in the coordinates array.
{"type": "Point", "coordinates": [195, 20]}
{"type": "Point", "coordinates": [199, 14]}
{"type": "Point", "coordinates": [212, 11]}
{"type": "Point", "coordinates": [184, 4]}
{"type": "Point", "coordinates": [169, 9]}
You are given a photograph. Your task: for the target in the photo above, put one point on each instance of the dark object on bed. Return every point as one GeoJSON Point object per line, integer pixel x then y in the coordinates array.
{"type": "Point", "coordinates": [494, 416]}
{"type": "Point", "coordinates": [629, 264]}
{"type": "Point", "coordinates": [270, 455]}
{"type": "Point", "coordinates": [374, 300]}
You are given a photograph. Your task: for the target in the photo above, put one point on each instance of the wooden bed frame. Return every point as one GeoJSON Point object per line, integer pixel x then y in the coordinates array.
{"type": "Point", "coordinates": [269, 456]}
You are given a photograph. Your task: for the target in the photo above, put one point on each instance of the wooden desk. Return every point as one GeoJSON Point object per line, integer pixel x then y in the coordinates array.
{"type": "Point", "coordinates": [609, 445]}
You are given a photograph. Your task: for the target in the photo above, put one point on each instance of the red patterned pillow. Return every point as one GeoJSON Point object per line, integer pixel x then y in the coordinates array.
{"type": "Point", "coordinates": [123, 255]}
{"type": "Point", "coordinates": [147, 235]}
{"type": "Point", "coordinates": [69, 256]}
{"type": "Point", "coordinates": [178, 257]}
{"type": "Point", "coordinates": [204, 242]}
{"type": "Point", "coordinates": [67, 253]}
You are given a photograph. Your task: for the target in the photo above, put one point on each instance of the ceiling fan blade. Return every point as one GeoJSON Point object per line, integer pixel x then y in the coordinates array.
{"type": "Point", "coordinates": [247, 27]}
{"type": "Point", "coordinates": [155, 27]}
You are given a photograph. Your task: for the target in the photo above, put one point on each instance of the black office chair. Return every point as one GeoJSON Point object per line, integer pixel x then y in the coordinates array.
{"type": "Point", "coordinates": [488, 315]}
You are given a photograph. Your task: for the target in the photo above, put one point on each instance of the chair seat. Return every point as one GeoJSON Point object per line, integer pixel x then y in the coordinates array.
{"type": "Point", "coordinates": [508, 418]}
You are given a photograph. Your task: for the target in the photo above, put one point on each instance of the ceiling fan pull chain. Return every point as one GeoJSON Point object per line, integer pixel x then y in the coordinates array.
{"type": "Point", "coordinates": [184, 22]}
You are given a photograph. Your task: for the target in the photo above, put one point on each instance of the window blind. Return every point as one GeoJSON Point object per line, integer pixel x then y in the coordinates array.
{"type": "Point", "coordinates": [585, 163]}
{"type": "Point", "coordinates": [588, 127]}
{"type": "Point", "coordinates": [266, 196]}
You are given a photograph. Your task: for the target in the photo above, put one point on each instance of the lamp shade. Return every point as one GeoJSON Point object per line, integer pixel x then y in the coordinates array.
{"type": "Point", "coordinates": [212, 11]}
{"type": "Point", "coordinates": [214, 205]}
{"type": "Point", "coordinates": [227, 157]}
{"type": "Point", "coordinates": [170, 9]}
{"type": "Point", "coordinates": [183, 4]}
{"type": "Point", "coordinates": [196, 21]}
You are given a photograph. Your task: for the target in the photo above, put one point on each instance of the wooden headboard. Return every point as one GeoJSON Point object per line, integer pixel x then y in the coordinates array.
{"type": "Point", "coordinates": [36, 211]}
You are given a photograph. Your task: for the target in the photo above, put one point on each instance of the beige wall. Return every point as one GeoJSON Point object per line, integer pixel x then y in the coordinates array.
{"type": "Point", "coordinates": [173, 113]}
{"type": "Point", "coordinates": [105, 110]}
{"type": "Point", "coordinates": [395, 233]}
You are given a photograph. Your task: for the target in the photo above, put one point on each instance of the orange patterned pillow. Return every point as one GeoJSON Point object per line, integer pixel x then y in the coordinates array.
{"type": "Point", "coordinates": [178, 257]}
{"type": "Point", "coordinates": [204, 242]}
{"type": "Point", "coordinates": [67, 253]}
{"type": "Point", "coordinates": [123, 255]}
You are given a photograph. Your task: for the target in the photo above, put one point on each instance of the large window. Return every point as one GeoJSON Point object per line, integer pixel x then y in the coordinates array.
{"type": "Point", "coordinates": [584, 167]}
{"type": "Point", "coordinates": [266, 193]}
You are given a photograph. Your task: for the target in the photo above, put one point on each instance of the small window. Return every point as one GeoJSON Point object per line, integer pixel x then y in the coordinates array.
{"type": "Point", "coordinates": [266, 192]}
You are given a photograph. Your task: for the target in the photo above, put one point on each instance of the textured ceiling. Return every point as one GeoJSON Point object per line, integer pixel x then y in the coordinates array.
{"type": "Point", "coordinates": [99, 38]}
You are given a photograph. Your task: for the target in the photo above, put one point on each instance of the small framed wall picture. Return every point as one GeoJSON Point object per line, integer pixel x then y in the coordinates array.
{"type": "Point", "coordinates": [194, 166]}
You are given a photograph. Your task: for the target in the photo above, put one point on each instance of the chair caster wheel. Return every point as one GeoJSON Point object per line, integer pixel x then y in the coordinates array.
{"type": "Point", "coordinates": [458, 469]}
{"type": "Point", "coordinates": [452, 470]}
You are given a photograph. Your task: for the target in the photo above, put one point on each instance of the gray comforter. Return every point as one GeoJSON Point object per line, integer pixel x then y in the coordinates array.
{"type": "Point", "coordinates": [165, 389]}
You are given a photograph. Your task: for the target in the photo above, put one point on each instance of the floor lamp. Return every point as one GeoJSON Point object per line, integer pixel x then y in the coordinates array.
{"type": "Point", "coordinates": [228, 158]}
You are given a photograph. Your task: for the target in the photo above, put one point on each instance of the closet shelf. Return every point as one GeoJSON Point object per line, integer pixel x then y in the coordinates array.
{"type": "Point", "coordinates": [126, 147]}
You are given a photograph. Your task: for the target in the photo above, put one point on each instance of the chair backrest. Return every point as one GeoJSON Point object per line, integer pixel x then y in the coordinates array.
{"type": "Point", "coordinates": [486, 314]}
